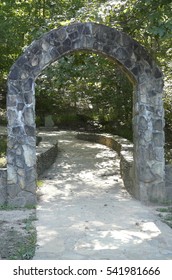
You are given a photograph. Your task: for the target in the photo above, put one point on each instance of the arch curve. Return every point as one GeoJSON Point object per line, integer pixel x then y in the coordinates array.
{"type": "Point", "coordinates": [148, 114]}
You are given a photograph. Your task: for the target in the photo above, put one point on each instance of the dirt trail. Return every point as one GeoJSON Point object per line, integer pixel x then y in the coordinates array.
{"type": "Point", "coordinates": [84, 211]}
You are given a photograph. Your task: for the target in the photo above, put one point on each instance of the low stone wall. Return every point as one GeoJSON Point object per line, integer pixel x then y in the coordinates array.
{"type": "Point", "coordinates": [127, 171]}
{"type": "Point", "coordinates": [46, 154]}
{"type": "Point", "coordinates": [124, 148]}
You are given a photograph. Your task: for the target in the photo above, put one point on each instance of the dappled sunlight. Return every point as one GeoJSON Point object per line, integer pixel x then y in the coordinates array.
{"type": "Point", "coordinates": [43, 145]}
{"type": "Point", "coordinates": [107, 153]}
{"type": "Point", "coordinates": [82, 145]}
{"type": "Point", "coordinates": [79, 173]}
{"type": "Point", "coordinates": [103, 240]}
{"type": "Point", "coordinates": [51, 239]}
{"type": "Point", "coordinates": [151, 227]}
{"type": "Point", "coordinates": [86, 175]}
{"type": "Point", "coordinates": [46, 235]}
{"type": "Point", "coordinates": [65, 141]}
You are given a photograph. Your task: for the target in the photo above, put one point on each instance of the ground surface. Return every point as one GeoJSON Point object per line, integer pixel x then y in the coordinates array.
{"type": "Point", "coordinates": [17, 234]}
{"type": "Point", "coordinates": [84, 212]}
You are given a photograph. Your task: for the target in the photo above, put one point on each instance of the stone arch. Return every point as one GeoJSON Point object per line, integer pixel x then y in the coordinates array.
{"type": "Point", "coordinates": [148, 114]}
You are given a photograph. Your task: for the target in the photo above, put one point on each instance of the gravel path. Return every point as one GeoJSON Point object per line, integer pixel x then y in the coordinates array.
{"type": "Point", "coordinates": [84, 211]}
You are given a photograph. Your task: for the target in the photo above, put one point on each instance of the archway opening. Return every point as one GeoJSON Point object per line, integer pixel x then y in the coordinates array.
{"type": "Point", "coordinates": [85, 92]}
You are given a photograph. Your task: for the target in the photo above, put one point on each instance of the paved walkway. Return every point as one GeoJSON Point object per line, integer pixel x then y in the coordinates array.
{"type": "Point", "coordinates": [84, 211]}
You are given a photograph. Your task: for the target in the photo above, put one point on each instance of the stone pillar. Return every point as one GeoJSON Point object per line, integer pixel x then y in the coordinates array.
{"type": "Point", "coordinates": [21, 152]}
{"type": "Point", "coordinates": [148, 123]}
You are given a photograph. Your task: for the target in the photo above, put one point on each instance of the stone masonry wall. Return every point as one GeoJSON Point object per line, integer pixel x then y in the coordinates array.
{"type": "Point", "coordinates": [148, 113]}
{"type": "Point", "coordinates": [46, 155]}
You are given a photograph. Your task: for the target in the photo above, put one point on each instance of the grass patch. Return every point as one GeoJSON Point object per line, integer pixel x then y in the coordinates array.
{"type": "Point", "coordinates": [18, 240]}
{"type": "Point", "coordinates": [30, 207]}
{"type": "Point", "coordinates": [11, 208]}
{"type": "Point", "coordinates": [165, 213]}
{"type": "Point", "coordinates": [164, 210]}
{"type": "Point", "coordinates": [168, 218]}
{"type": "Point", "coordinates": [25, 249]}
{"type": "Point", "coordinates": [7, 208]}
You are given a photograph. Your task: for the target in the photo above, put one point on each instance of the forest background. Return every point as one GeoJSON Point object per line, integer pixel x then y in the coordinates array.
{"type": "Point", "coordinates": [86, 90]}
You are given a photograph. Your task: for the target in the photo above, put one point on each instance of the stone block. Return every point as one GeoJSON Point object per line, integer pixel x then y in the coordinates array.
{"type": "Point", "coordinates": [29, 84]}
{"type": "Point", "coordinates": [157, 168]}
{"type": "Point", "coordinates": [157, 193]}
{"type": "Point", "coordinates": [73, 35]}
{"type": "Point", "coordinates": [12, 115]}
{"type": "Point", "coordinates": [12, 174]}
{"type": "Point", "coordinates": [29, 116]}
{"type": "Point", "coordinates": [17, 130]}
{"type": "Point", "coordinates": [121, 54]}
{"type": "Point", "coordinates": [46, 158]}
{"type": "Point", "coordinates": [11, 100]}
{"type": "Point", "coordinates": [15, 73]}
{"type": "Point", "coordinates": [19, 162]}
{"type": "Point", "coordinates": [35, 60]}
{"type": "Point", "coordinates": [30, 130]}
{"type": "Point", "coordinates": [158, 125]}
{"type": "Point", "coordinates": [28, 97]}
{"type": "Point", "coordinates": [158, 139]}
{"type": "Point", "coordinates": [21, 182]}
{"type": "Point", "coordinates": [13, 190]}
{"type": "Point", "coordinates": [159, 153]}
{"type": "Point", "coordinates": [20, 106]}
{"type": "Point", "coordinates": [143, 124]}
{"type": "Point", "coordinates": [29, 155]}
{"type": "Point", "coordinates": [146, 175]}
